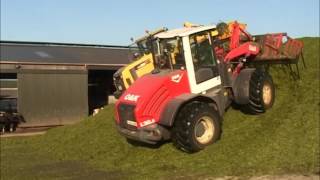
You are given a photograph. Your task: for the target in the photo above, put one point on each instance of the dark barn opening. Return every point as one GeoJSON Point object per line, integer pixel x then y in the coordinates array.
{"type": "Point", "coordinates": [8, 92]}
{"type": "Point", "coordinates": [100, 86]}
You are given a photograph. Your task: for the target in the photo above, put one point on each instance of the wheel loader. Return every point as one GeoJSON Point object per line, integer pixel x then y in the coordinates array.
{"type": "Point", "coordinates": [143, 62]}
{"type": "Point", "coordinates": [199, 73]}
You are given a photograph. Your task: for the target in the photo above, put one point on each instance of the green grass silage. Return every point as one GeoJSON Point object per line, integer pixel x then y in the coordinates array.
{"type": "Point", "coordinates": [285, 140]}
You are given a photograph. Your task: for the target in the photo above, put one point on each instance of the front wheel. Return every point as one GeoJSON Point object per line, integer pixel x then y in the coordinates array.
{"type": "Point", "coordinates": [197, 125]}
{"type": "Point", "coordinates": [261, 92]}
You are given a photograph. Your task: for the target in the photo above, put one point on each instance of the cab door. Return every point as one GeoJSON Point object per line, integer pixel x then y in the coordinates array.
{"type": "Point", "coordinates": [201, 63]}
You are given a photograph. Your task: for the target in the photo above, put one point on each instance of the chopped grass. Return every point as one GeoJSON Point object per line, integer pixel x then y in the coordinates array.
{"type": "Point", "coordinates": [285, 140]}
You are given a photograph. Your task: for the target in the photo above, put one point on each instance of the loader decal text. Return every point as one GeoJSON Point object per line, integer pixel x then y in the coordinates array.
{"type": "Point", "coordinates": [131, 97]}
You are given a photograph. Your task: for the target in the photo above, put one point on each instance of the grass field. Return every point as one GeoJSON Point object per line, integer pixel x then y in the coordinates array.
{"type": "Point", "coordinates": [285, 140]}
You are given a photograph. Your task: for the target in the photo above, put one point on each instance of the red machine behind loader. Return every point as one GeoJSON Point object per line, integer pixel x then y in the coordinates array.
{"type": "Point", "coordinates": [200, 71]}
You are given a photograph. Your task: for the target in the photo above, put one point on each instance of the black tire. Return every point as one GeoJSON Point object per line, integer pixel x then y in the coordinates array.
{"type": "Point", "coordinates": [190, 118]}
{"type": "Point", "coordinates": [261, 92]}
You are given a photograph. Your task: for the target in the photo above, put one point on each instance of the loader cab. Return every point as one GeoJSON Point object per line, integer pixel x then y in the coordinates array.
{"type": "Point", "coordinates": [191, 49]}
{"type": "Point", "coordinates": [145, 44]}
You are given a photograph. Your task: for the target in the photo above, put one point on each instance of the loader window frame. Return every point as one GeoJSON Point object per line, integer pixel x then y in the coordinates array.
{"type": "Point", "coordinates": [203, 57]}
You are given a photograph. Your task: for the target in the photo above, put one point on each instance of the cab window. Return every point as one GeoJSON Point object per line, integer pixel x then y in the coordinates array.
{"type": "Point", "coordinates": [203, 59]}
{"type": "Point", "coordinates": [171, 54]}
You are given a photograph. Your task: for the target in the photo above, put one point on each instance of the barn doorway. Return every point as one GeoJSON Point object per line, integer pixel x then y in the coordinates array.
{"type": "Point", "coordinates": [100, 87]}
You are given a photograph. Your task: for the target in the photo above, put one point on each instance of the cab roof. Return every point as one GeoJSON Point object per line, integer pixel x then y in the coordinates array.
{"type": "Point", "coordinates": [185, 31]}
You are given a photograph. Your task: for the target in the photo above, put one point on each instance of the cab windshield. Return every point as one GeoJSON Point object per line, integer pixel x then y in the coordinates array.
{"type": "Point", "coordinates": [144, 46]}
{"type": "Point", "coordinates": [170, 54]}
{"type": "Point", "coordinates": [140, 48]}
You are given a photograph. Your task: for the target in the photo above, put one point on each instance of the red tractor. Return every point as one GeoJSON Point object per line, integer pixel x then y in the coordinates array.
{"type": "Point", "coordinates": [200, 71]}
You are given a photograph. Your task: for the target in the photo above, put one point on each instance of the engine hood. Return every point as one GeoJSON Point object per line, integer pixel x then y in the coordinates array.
{"type": "Point", "coordinates": [150, 93]}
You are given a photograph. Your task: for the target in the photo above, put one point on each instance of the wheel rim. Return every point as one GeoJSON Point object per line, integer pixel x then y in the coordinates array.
{"type": "Point", "coordinates": [266, 94]}
{"type": "Point", "coordinates": [204, 130]}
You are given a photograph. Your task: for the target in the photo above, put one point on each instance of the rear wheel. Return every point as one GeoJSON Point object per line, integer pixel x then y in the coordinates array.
{"type": "Point", "coordinates": [196, 126]}
{"type": "Point", "coordinates": [261, 92]}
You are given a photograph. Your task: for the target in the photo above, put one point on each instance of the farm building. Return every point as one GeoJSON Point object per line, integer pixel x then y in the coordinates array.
{"type": "Point", "coordinates": [54, 83]}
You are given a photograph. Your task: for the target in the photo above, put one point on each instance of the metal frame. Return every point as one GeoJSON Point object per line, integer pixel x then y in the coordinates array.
{"type": "Point", "coordinates": [201, 87]}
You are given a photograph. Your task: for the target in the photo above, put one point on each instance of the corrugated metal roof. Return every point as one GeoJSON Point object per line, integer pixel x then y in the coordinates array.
{"type": "Point", "coordinates": [62, 53]}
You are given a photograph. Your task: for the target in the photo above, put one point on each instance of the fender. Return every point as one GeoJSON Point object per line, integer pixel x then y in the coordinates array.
{"type": "Point", "coordinates": [171, 109]}
{"type": "Point", "coordinates": [241, 85]}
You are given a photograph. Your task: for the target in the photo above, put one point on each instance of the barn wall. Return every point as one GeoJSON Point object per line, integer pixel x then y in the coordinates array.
{"type": "Point", "coordinates": [48, 97]}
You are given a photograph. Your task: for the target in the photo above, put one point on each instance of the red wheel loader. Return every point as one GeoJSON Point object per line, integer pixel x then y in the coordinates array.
{"type": "Point", "coordinates": [199, 71]}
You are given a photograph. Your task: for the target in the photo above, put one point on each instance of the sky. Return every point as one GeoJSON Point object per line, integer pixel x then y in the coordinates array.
{"type": "Point", "coordinates": [115, 22]}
